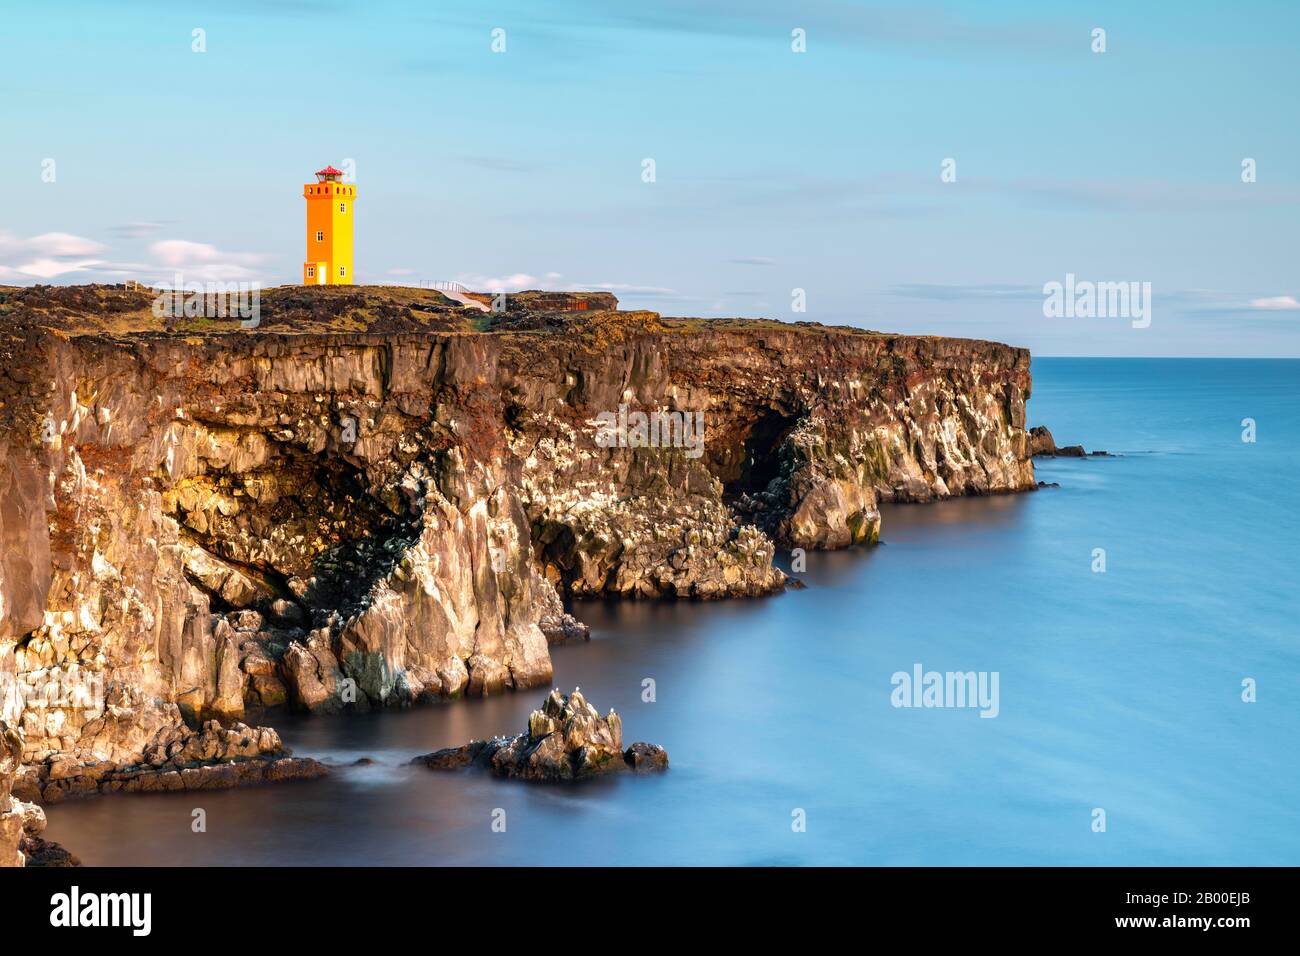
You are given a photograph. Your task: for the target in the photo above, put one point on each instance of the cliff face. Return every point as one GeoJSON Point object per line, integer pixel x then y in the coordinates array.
{"type": "Point", "coordinates": [192, 526]}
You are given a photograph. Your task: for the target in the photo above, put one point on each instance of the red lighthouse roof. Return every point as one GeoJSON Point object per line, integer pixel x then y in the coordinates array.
{"type": "Point", "coordinates": [328, 175]}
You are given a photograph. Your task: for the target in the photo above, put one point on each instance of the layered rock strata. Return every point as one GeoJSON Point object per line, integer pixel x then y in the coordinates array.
{"type": "Point", "coordinates": [177, 758]}
{"type": "Point", "coordinates": [207, 523]}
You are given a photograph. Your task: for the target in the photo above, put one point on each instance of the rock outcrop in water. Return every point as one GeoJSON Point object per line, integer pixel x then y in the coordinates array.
{"type": "Point", "coordinates": [376, 498]}
{"type": "Point", "coordinates": [566, 740]}
{"type": "Point", "coordinates": [178, 758]}
{"type": "Point", "coordinates": [1043, 445]}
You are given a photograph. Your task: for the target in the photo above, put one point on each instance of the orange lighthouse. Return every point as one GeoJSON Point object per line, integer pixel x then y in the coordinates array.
{"type": "Point", "coordinates": [329, 229]}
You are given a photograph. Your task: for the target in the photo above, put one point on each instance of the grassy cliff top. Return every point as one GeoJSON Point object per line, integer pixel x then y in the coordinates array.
{"type": "Point", "coordinates": [113, 310]}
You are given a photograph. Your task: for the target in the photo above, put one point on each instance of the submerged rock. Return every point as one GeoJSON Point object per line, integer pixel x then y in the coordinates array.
{"type": "Point", "coordinates": [566, 740]}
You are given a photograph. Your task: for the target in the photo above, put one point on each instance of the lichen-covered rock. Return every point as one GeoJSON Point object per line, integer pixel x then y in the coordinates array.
{"type": "Point", "coordinates": [825, 494]}
{"type": "Point", "coordinates": [648, 547]}
{"type": "Point", "coordinates": [566, 740]}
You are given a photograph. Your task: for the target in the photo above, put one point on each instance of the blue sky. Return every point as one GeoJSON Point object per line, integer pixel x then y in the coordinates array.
{"type": "Point", "coordinates": [774, 170]}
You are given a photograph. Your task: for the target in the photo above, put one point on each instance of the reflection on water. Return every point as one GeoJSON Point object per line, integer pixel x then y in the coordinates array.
{"type": "Point", "coordinates": [1118, 690]}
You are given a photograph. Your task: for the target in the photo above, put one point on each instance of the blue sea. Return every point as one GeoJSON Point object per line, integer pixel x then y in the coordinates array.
{"type": "Point", "coordinates": [1120, 692]}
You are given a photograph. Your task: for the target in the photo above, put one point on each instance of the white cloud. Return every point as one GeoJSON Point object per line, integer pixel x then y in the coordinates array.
{"type": "Point", "coordinates": [63, 244]}
{"type": "Point", "coordinates": [49, 244]}
{"type": "Point", "coordinates": [181, 252]}
{"type": "Point", "coordinates": [626, 288]}
{"type": "Point", "coordinates": [203, 262]}
{"type": "Point", "coordinates": [51, 268]}
{"type": "Point", "coordinates": [515, 282]}
{"type": "Point", "coordinates": [555, 282]}
{"type": "Point", "coordinates": [1277, 303]}
{"type": "Point", "coordinates": [46, 256]}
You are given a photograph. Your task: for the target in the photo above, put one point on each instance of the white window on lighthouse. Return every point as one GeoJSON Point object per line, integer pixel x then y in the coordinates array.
{"type": "Point", "coordinates": [311, 272]}
{"type": "Point", "coordinates": [320, 237]}
{"type": "Point", "coordinates": [343, 270]}
{"type": "Point", "coordinates": [343, 207]}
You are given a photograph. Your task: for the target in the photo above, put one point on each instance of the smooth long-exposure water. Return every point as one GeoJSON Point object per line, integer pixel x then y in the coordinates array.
{"type": "Point", "coordinates": [1119, 690]}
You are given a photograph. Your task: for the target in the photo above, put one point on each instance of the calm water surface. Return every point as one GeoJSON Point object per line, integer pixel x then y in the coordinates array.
{"type": "Point", "coordinates": [1119, 690]}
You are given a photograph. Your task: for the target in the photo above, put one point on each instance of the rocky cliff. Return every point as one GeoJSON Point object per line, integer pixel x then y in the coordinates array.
{"type": "Point", "coordinates": [373, 498]}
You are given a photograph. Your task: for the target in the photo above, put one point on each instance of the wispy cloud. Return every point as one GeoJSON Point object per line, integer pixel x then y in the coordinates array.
{"type": "Point", "coordinates": [1130, 194]}
{"type": "Point", "coordinates": [503, 164]}
{"type": "Point", "coordinates": [63, 244]}
{"type": "Point", "coordinates": [48, 268]}
{"type": "Point", "coordinates": [137, 230]}
{"type": "Point", "coordinates": [47, 256]}
{"type": "Point", "coordinates": [955, 293]}
{"type": "Point", "coordinates": [930, 30]}
{"type": "Point", "coordinates": [55, 255]}
{"type": "Point", "coordinates": [514, 282]}
{"type": "Point", "coordinates": [1210, 306]}
{"type": "Point", "coordinates": [1276, 303]}
{"type": "Point", "coordinates": [202, 262]}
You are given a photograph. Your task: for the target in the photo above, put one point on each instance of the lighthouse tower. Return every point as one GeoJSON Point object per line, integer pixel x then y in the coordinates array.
{"type": "Point", "coordinates": [329, 229]}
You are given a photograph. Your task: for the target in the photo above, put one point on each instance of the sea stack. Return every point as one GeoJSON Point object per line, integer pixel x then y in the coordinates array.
{"type": "Point", "coordinates": [566, 740]}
